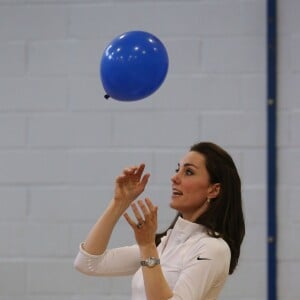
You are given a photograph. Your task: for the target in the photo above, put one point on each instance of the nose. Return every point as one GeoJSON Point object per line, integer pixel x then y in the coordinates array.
{"type": "Point", "coordinates": [175, 178]}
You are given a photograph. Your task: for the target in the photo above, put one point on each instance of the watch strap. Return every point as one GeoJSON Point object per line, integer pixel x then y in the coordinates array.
{"type": "Point", "coordinates": [150, 262]}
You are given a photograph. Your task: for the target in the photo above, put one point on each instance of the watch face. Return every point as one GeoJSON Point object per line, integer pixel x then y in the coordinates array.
{"type": "Point", "coordinates": [150, 262]}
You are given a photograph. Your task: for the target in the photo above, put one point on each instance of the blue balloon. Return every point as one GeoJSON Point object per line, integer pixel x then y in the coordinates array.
{"type": "Point", "coordinates": [133, 66]}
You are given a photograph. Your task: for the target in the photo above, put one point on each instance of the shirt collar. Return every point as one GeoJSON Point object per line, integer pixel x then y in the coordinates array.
{"type": "Point", "coordinates": [185, 228]}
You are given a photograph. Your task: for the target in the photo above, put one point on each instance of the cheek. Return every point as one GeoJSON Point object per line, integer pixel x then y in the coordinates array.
{"type": "Point", "coordinates": [197, 187]}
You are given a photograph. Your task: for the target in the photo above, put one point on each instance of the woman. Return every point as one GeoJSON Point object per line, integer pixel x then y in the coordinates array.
{"type": "Point", "coordinates": [192, 259]}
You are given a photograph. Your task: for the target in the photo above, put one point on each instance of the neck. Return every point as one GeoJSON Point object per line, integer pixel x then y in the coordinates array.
{"type": "Point", "coordinates": [194, 215]}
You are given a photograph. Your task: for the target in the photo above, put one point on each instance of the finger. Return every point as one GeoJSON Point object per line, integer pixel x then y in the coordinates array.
{"type": "Point", "coordinates": [129, 220]}
{"type": "Point", "coordinates": [152, 208]}
{"type": "Point", "coordinates": [137, 213]}
{"type": "Point", "coordinates": [140, 170]}
{"type": "Point", "coordinates": [120, 178]}
{"type": "Point", "coordinates": [145, 179]}
{"type": "Point", "coordinates": [149, 204]}
{"type": "Point", "coordinates": [130, 170]}
{"type": "Point", "coordinates": [144, 209]}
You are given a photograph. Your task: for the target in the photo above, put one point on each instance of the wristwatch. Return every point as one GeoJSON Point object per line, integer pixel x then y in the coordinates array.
{"type": "Point", "coordinates": [150, 262]}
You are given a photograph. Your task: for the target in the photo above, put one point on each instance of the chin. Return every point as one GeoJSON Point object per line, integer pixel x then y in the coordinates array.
{"type": "Point", "coordinates": [173, 206]}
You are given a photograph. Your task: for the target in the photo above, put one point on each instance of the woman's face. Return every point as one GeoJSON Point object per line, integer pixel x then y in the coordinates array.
{"type": "Point", "coordinates": [191, 187]}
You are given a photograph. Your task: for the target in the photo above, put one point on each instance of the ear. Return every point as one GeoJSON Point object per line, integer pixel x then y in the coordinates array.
{"type": "Point", "coordinates": [214, 190]}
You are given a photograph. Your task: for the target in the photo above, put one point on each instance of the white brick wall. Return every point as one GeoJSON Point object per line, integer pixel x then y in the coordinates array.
{"type": "Point", "coordinates": [62, 143]}
{"type": "Point", "coordinates": [288, 189]}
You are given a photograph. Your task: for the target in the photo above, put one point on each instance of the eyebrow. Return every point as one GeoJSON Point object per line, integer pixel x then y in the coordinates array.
{"type": "Point", "coordinates": [189, 165]}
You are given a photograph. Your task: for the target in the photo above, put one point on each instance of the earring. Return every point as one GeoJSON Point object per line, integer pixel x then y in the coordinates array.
{"type": "Point", "coordinates": [208, 200]}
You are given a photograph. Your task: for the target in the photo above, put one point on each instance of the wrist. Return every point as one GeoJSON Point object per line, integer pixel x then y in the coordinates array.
{"type": "Point", "coordinates": [116, 209]}
{"type": "Point", "coordinates": [150, 262]}
{"type": "Point", "coordinates": [148, 250]}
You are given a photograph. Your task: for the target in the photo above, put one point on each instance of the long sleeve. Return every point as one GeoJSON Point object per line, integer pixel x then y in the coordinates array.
{"type": "Point", "coordinates": [194, 264]}
{"type": "Point", "coordinates": [113, 262]}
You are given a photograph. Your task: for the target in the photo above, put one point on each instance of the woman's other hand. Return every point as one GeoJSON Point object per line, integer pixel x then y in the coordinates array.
{"type": "Point", "coordinates": [145, 225]}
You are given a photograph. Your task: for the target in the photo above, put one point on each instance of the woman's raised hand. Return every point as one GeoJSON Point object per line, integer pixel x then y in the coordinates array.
{"type": "Point", "coordinates": [130, 184]}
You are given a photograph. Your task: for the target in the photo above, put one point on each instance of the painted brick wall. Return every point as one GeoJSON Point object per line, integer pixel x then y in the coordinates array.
{"type": "Point", "coordinates": [289, 154]}
{"type": "Point", "coordinates": [62, 143]}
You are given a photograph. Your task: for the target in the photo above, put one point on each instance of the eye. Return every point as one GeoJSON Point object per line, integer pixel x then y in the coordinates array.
{"type": "Point", "coordinates": [177, 170]}
{"type": "Point", "coordinates": [189, 172]}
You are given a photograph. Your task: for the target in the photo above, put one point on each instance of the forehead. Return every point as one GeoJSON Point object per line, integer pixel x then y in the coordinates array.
{"type": "Point", "coordinates": [193, 157]}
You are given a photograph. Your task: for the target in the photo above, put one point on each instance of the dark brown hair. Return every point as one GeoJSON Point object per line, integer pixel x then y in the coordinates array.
{"type": "Point", "coordinates": [224, 218]}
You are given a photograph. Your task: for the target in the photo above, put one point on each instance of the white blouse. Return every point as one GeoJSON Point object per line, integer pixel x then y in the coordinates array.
{"type": "Point", "coordinates": [194, 264]}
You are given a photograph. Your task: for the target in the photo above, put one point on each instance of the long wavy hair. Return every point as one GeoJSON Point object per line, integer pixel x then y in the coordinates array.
{"type": "Point", "coordinates": [224, 218]}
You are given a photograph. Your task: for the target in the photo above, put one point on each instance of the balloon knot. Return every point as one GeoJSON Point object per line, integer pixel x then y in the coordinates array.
{"type": "Point", "coordinates": [106, 96]}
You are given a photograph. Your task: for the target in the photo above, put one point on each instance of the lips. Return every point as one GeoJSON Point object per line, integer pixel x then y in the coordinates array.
{"type": "Point", "coordinates": [176, 192]}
